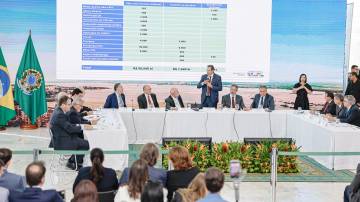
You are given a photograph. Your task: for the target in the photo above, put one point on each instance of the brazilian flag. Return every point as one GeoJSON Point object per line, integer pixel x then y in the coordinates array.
{"type": "Point", "coordinates": [30, 84]}
{"type": "Point", "coordinates": [7, 110]}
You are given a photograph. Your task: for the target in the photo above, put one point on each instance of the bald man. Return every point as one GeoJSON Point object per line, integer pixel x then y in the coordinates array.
{"type": "Point", "coordinates": [174, 101]}
{"type": "Point", "coordinates": [147, 99]}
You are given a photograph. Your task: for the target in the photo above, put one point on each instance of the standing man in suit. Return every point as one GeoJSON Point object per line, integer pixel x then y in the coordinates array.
{"type": "Point", "coordinates": [116, 99]}
{"type": "Point", "coordinates": [210, 85]}
{"type": "Point", "coordinates": [10, 180]}
{"type": "Point", "coordinates": [147, 99]}
{"type": "Point", "coordinates": [263, 100]}
{"type": "Point", "coordinates": [232, 99]}
{"type": "Point", "coordinates": [65, 134]}
{"type": "Point", "coordinates": [80, 93]}
{"type": "Point", "coordinates": [329, 106]}
{"type": "Point", "coordinates": [35, 178]}
{"type": "Point", "coordinates": [353, 87]}
{"type": "Point", "coordinates": [174, 101]}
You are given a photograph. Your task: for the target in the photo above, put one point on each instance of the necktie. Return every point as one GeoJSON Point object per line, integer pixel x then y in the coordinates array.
{"type": "Point", "coordinates": [325, 107]}
{"type": "Point", "coordinates": [262, 101]}
{"type": "Point", "coordinates": [120, 100]}
{"type": "Point", "coordinates": [208, 88]}
{"type": "Point", "coordinates": [149, 100]}
{"type": "Point", "coordinates": [233, 102]}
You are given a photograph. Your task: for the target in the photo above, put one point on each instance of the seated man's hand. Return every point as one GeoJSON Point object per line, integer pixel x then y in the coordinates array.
{"type": "Point", "coordinates": [88, 127]}
{"type": "Point", "coordinates": [94, 121]}
{"type": "Point", "coordinates": [247, 109]}
{"type": "Point", "coordinates": [174, 108]}
{"type": "Point", "coordinates": [90, 113]}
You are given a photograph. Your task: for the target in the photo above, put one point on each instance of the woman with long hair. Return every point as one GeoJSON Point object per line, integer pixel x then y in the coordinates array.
{"type": "Point", "coordinates": [138, 177]}
{"type": "Point", "coordinates": [302, 89]}
{"type": "Point", "coordinates": [153, 192]}
{"type": "Point", "coordinates": [85, 191]}
{"type": "Point", "coordinates": [195, 191]}
{"type": "Point", "coordinates": [104, 178]}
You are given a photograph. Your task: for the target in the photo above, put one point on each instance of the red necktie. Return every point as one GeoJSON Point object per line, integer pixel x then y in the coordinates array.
{"type": "Point", "coordinates": [325, 107]}
{"type": "Point", "coordinates": [233, 102]}
{"type": "Point", "coordinates": [208, 88]}
{"type": "Point", "coordinates": [149, 100]}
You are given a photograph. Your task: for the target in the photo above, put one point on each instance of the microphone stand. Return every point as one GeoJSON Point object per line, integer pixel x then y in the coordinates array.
{"type": "Point", "coordinates": [236, 184]}
{"type": "Point", "coordinates": [132, 105]}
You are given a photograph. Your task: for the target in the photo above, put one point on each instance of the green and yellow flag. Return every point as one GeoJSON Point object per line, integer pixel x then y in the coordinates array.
{"type": "Point", "coordinates": [7, 110]}
{"type": "Point", "coordinates": [30, 84]}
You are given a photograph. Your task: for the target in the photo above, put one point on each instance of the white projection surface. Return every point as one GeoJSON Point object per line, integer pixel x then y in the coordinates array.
{"type": "Point", "coordinates": [169, 40]}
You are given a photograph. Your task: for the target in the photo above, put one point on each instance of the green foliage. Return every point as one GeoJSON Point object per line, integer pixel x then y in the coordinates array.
{"type": "Point", "coordinates": [255, 158]}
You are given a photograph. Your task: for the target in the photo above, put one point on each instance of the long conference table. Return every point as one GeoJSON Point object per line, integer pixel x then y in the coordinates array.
{"type": "Point", "coordinates": [310, 132]}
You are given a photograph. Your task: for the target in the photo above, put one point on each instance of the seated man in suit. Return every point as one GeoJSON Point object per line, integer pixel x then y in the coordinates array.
{"type": "Point", "coordinates": [35, 178]}
{"type": "Point", "coordinates": [80, 92]}
{"type": "Point", "coordinates": [214, 180]}
{"type": "Point", "coordinates": [174, 101]}
{"type": "Point", "coordinates": [233, 100]}
{"type": "Point", "coordinates": [263, 99]}
{"type": "Point", "coordinates": [352, 114]}
{"type": "Point", "coordinates": [339, 101]}
{"type": "Point", "coordinates": [65, 134]}
{"type": "Point", "coordinates": [329, 106]}
{"type": "Point", "coordinates": [10, 180]}
{"type": "Point", "coordinates": [147, 99]}
{"type": "Point", "coordinates": [117, 98]}
{"type": "Point", "coordinates": [210, 84]}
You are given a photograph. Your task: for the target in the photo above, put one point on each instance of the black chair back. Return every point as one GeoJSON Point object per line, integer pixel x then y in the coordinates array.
{"type": "Point", "coordinates": [107, 196]}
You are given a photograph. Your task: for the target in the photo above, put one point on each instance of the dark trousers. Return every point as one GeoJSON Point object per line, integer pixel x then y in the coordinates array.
{"type": "Point", "coordinates": [82, 145]}
{"type": "Point", "coordinates": [347, 194]}
{"type": "Point", "coordinates": [208, 103]}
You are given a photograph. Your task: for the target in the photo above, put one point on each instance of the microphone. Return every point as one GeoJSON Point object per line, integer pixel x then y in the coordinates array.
{"type": "Point", "coordinates": [132, 105]}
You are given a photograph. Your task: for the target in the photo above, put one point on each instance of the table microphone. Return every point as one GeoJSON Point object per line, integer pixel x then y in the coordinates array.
{"type": "Point", "coordinates": [132, 105]}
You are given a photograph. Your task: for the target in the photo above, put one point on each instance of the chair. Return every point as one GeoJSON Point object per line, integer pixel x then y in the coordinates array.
{"type": "Point", "coordinates": [55, 163]}
{"type": "Point", "coordinates": [107, 196]}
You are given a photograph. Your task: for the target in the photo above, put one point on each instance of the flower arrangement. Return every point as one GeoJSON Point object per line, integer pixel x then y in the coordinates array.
{"type": "Point", "coordinates": [256, 158]}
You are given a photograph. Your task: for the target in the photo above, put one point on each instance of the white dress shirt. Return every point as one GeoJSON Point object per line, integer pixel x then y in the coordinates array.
{"type": "Point", "coordinates": [120, 100]}
{"type": "Point", "coordinates": [259, 104]}
{"type": "Point", "coordinates": [147, 101]}
{"type": "Point", "coordinates": [176, 101]}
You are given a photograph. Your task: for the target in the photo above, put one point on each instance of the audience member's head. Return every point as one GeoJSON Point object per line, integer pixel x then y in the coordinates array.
{"type": "Point", "coordinates": [150, 153]}
{"type": "Point", "coordinates": [234, 89]}
{"type": "Point", "coordinates": [118, 88]}
{"type": "Point", "coordinates": [35, 174]}
{"type": "Point", "coordinates": [302, 78]}
{"type": "Point", "coordinates": [64, 103]}
{"type": "Point", "coordinates": [59, 95]}
{"type": "Point", "coordinates": [214, 179]}
{"type": "Point", "coordinates": [180, 158]}
{"type": "Point", "coordinates": [138, 177]}
{"type": "Point", "coordinates": [97, 169]}
{"type": "Point", "coordinates": [153, 192]}
{"type": "Point", "coordinates": [355, 69]}
{"type": "Point", "coordinates": [263, 90]}
{"type": "Point", "coordinates": [329, 96]}
{"type": "Point", "coordinates": [349, 101]}
{"type": "Point", "coordinates": [5, 156]}
{"type": "Point", "coordinates": [198, 187]}
{"type": "Point", "coordinates": [85, 191]}
{"type": "Point", "coordinates": [174, 92]}
{"type": "Point", "coordinates": [78, 92]}
{"type": "Point", "coordinates": [185, 195]}
{"type": "Point", "coordinates": [339, 99]}
{"type": "Point", "coordinates": [210, 70]}
{"type": "Point", "coordinates": [147, 89]}
{"type": "Point", "coordinates": [78, 104]}
{"type": "Point", "coordinates": [353, 76]}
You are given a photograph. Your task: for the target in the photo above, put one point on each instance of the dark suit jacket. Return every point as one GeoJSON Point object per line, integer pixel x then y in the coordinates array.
{"type": "Point", "coordinates": [112, 101]}
{"type": "Point", "coordinates": [63, 131]}
{"type": "Point", "coordinates": [226, 101]}
{"type": "Point", "coordinates": [340, 111]}
{"type": "Point", "coordinates": [179, 179]}
{"type": "Point", "coordinates": [268, 102]}
{"type": "Point", "coordinates": [142, 101]}
{"type": "Point", "coordinates": [214, 93]}
{"type": "Point", "coordinates": [354, 89]}
{"type": "Point", "coordinates": [155, 175]}
{"type": "Point", "coordinates": [75, 117]}
{"type": "Point", "coordinates": [352, 116]}
{"type": "Point", "coordinates": [12, 182]}
{"type": "Point", "coordinates": [35, 195]}
{"type": "Point", "coordinates": [171, 103]}
{"type": "Point", "coordinates": [330, 109]}
{"type": "Point", "coordinates": [108, 183]}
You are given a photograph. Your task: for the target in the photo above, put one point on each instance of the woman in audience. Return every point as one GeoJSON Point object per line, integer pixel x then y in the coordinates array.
{"type": "Point", "coordinates": [150, 153]}
{"type": "Point", "coordinates": [153, 192]}
{"type": "Point", "coordinates": [138, 177]}
{"type": "Point", "coordinates": [183, 172]}
{"type": "Point", "coordinates": [302, 89]}
{"type": "Point", "coordinates": [196, 190]}
{"type": "Point", "coordinates": [104, 178]}
{"type": "Point", "coordinates": [85, 191]}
